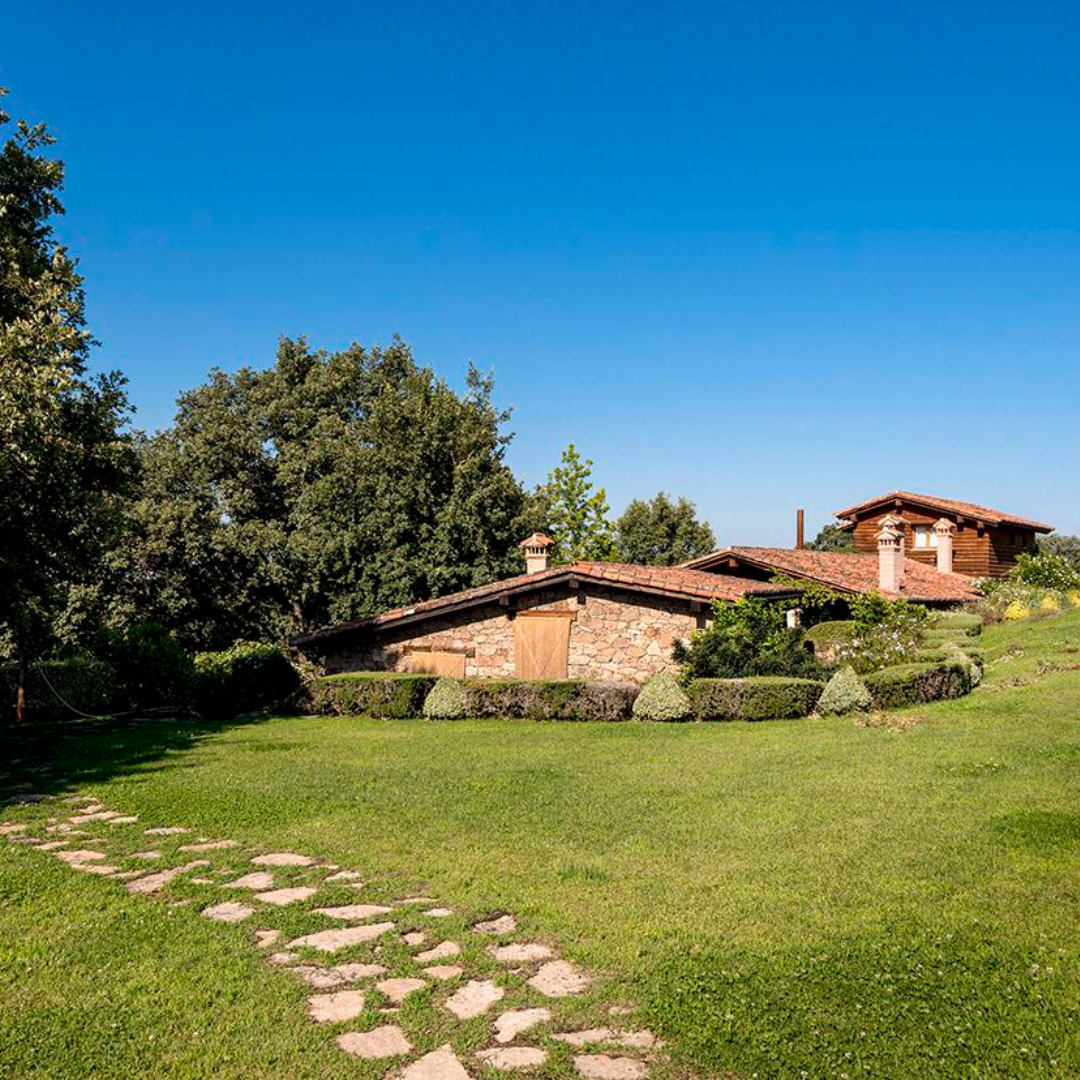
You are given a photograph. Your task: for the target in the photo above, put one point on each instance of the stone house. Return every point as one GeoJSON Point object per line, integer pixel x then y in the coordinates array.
{"type": "Point", "coordinates": [605, 622]}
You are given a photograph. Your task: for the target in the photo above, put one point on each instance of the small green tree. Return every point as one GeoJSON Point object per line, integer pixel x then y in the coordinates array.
{"type": "Point", "coordinates": [832, 538]}
{"type": "Point", "coordinates": [661, 532]}
{"type": "Point", "coordinates": [576, 514]}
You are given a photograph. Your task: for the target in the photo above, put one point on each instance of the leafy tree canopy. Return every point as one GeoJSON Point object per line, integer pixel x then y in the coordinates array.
{"type": "Point", "coordinates": [575, 514]}
{"type": "Point", "coordinates": [1064, 547]}
{"type": "Point", "coordinates": [832, 538]}
{"type": "Point", "coordinates": [329, 487]}
{"type": "Point", "coordinates": [661, 532]}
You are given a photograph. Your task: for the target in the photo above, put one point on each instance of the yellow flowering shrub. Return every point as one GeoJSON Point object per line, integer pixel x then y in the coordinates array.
{"type": "Point", "coordinates": [1017, 612]}
{"type": "Point", "coordinates": [1049, 603]}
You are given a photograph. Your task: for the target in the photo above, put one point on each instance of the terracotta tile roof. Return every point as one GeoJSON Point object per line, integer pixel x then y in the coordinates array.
{"type": "Point", "coordinates": [848, 571]}
{"type": "Point", "coordinates": [950, 506]}
{"type": "Point", "coordinates": [667, 580]}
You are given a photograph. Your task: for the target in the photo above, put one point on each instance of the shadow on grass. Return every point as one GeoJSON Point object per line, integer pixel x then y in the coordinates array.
{"type": "Point", "coordinates": [39, 759]}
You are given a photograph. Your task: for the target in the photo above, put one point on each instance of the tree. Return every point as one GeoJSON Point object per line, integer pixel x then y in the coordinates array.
{"type": "Point", "coordinates": [576, 515]}
{"type": "Point", "coordinates": [661, 532]}
{"type": "Point", "coordinates": [832, 538]}
{"type": "Point", "coordinates": [328, 487]}
{"type": "Point", "coordinates": [65, 463]}
{"type": "Point", "coordinates": [1066, 547]}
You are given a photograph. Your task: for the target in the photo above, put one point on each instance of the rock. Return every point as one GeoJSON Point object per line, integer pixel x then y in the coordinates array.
{"type": "Point", "coordinates": [352, 911]}
{"type": "Point", "coordinates": [260, 879]}
{"type": "Point", "coordinates": [399, 989]}
{"type": "Point", "coordinates": [12, 827]}
{"type": "Point", "coordinates": [439, 913]}
{"type": "Point", "coordinates": [77, 858]}
{"type": "Point", "coordinates": [331, 940]}
{"type": "Point", "coordinates": [265, 938]}
{"type": "Point", "coordinates": [53, 845]}
{"type": "Point", "coordinates": [559, 978]}
{"type": "Point", "coordinates": [586, 1038]}
{"type": "Point", "coordinates": [154, 883]}
{"type": "Point", "coordinates": [95, 868]}
{"type": "Point", "coordinates": [443, 971]}
{"type": "Point", "coordinates": [513, 1057]}
{"type": "Point", "coordinates": [504, 924]}
{"type": "Point", "coordinates": [515, 1021]}
{"type": "Point", "coordinates": [440, 952]}
{"type": "Point", "coordinates": [414, 937]}
{"type": "Point", "coordinates": [283, 897]}
{"type": "Point", "coordinates": [129, 819]}
{"type": "Point", "coordinates": [229, 912]}
{"type": "Point", "coordinates": [146, 856]}
{"type": "Point", "coordinates": [97, 815]}
{"type": "Point", "coordinates": [417, 900]}
{"type": "Point", "coordinates": [352, 972]}
{"type": "Point", "coordinates": [283, 858]}
{"type": "Point", "coordinates": [166, 830]}
{"type": "Point", "coordinates": [345, 875]}
{"type": "Point", "coordinates": [524, 953]}
{"type": "Point", "coordinates": [194, 880]}
{"type": "Point", "coordinates": [474, 999]}
{"type": "Point", "coordinates": [382, 1042]}
{"type": "Point", "coordinates": [210, 845]}
{"type": "Point", "coordinates": [602, 1067]}
{"type": "Point", "coordinates": [333, 1008]}
{"type": "Point", "coordinates": [441, 1064]}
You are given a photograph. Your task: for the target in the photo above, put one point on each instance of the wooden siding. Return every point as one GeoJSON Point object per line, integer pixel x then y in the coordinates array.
{"type": "Point", "coordinates": [987, 551]}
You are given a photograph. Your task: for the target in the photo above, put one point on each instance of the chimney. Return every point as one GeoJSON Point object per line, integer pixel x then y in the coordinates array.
{"type": "Point", "coordinates": [943, 530]}
{"type": "Point", "coordinates": [537, 552]}
{"type": "Point", "coordinates": [799, 529]}
{"type": "Point", "coordinates": [891, 557]}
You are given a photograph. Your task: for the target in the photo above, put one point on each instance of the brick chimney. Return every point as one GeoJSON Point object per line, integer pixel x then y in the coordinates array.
{"type": "Point", "coordinates": [891, 556]}
{"type": "Point", "coordinates": [537, 552]}
{"type": "Point", "coordinates": [944, 530]}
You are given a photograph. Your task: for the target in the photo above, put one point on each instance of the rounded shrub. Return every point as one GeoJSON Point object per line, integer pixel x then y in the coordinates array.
{"type": "Point", "coordinates": [662, 699]}
{"type": "Point", "coordinates": [1073, 596]}
{"type": "Point", "coordinates": [248, 677]}
{"type": "Point", "coordinates": [1050, 604]}
{"type": "Point", "coordinates": [844, 693]}
{"type": "Point", "coordinates": [446, 701]}
{"type": "Point", "coordinates": [1016, 612]}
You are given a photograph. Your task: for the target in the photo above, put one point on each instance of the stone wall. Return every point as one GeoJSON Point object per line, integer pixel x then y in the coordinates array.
{"type": "Point", "coordinates": [615, 636]}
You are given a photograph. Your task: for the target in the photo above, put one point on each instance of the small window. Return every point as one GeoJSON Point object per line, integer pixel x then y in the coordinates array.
{"type": "Point", "coordinates": [925, 537]}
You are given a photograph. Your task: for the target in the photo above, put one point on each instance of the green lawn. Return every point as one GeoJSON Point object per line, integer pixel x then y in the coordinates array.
{"type": "Point", "coordinates": [804, 898]}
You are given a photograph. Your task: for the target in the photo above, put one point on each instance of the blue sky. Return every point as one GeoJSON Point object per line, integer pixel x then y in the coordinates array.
{"type": "Point", "coordinates": [763, 255]}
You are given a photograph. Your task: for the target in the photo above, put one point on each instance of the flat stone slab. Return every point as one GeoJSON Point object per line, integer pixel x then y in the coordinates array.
{"type": "Point", "coordinates": [414, 937]}
{"type": "Point", "coordinates": [439, 913]}
{"type": "Point", "coordinates": [95, 815]}
{"type": "Point", "coordinates": [513, 1057]}
{"type": "Point", "coordinates": [196, 880]}
{"type": "Point", "coordinates": [154, 883]}
{"type": "Point", "coordinates": [440, 952]}
{"type": "Point", "coordinates": [333, 1008]}
{"type": "Point", "coordinates": [602, 1067]}
{"type": "Point", "coordinates": [474, 999]}
{"type": "Point", "coordinates": [283, 959]}
{"type": "Point", "coordinates": [504, 924]}
{"type": "Point", "coordinates": [397, 990]}
{"type": "Point", "coordinates": [283, 858]}
{"type": "Point", "coordinates": [210, 845]}
{"type": "Point", "coordinates": [146, 856]}
{"type": "Point", "coordinates": [323, 978]}
{"type": "Point", "coordinates": [382, 1042]}
{"type": "Point", "coordinates": [331, 940]}
{"type": "Point", "coordinates": [95, 868]}
{"type": "Point", "coordinates": [12, 827]}
{"type": "Point", "coordinates": [345, 875]}
{"type": "Point", "coordinates": [417, 900]}
{"type": "Point", "coordinates": [265, 938]}
{"type": "Point", "coordinates": [353, 912]}
{"type": "Point", "coordinates": [586, 1038]}
{"type": "Point", "coordinates": [230, 911]}
{"type": "Point", "coordinates": [559, 978]}
{"type": "Point", "coordinates": [284, 897]}
{"type": "Point", "coordinates": [83, 855]}
{"type": "Point", "coordinates": [126, 819]}
{"type": "Point", "coordinates": [441, 1064]}
{"type": "Point", "coordinates": [53, 845]}
{"type": "Point", "coordinates": [260, 879]}
{"type": "Point", "coordinates": [524, 953]}
{"type": "Point", "coordinates": [443, 971]}
{"type": "Point", "coordinates": [515, 1021]}
{"type": "Point", "coordinates": [167, 830]}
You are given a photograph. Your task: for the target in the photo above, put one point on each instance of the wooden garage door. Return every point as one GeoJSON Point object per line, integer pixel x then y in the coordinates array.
{"type": "Point", "coordinates": [541, 644]}
{"type": "Point", "coordinates": [436, 662]}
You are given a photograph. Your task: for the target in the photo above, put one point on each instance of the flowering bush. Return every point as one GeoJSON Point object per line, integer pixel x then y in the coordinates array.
{"type": "Point", "coordinates": [662, 699]}
{"type": "Point", "coordinates": [887, 632]}
{"type": "Point", "coordinates": [1046, 571]}
{"type": "Point", "coordinates": [1016, 612]}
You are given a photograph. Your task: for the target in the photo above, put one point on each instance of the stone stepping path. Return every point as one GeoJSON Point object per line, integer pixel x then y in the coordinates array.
{"type": "Point", "coordinates": [528, 968]}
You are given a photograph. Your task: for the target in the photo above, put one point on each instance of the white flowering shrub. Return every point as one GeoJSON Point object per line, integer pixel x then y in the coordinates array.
{"type": "Point", "coordinates": [662, 699]}
{"type": "Point", "coordinates": [844, 693]}
{"type": "Point", "coordinates": [446, 701]}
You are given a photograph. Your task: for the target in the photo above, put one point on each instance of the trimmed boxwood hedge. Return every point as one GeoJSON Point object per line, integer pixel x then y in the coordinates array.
{"type": "Point", "coordinates": [762, 697]}
{"type": "Point", "coordinates": [915, 684]}
{"type": "Point", "coordinates": [562, 699]}
{"type": "Point", "coordinates": [940, 637]}
{"type": "Point", "coordinates": [833, 632]}
{"type": "Point", "coordinates": [959, 620]}
{"type": "Point", "coordinates": [390, 694]}
{"type": "Point", "coordinates": [940, 653]}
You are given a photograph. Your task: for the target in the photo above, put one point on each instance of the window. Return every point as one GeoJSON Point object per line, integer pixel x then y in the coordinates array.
{"type": "Point", "coordinates": [925, 537]}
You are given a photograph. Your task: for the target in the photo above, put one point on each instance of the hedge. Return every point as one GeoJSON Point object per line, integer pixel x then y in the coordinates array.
{"type": "Point", "coordinates": [940, 653]}
{"type": "Point", "coordinates": [245, 678]}
{"type": "Point", "coordinates": [89, 686]}
{"type": "Point", "coordinates": [763, 697]}
{"type": "Point", "coordinates": [964, 621]}
{"type": "Point", "coordinates": [915, 684]}
{"type": "Point", "coordinates": [662, 699]}
{"type": "Point", "coordinates": [942, 637]}
{"type": "Point", "coordinates": [388, 694]}
{"type": "Point", "coordinates": [563, 699]}
{"type": "Point", "coordinates": [832, 633]}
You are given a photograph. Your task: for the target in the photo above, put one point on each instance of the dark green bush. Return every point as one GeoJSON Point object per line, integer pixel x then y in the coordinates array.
{"type": "Point", "coordinates": [152, 669]}
{"type": "Point", "coordinates": [916, 684]}
{"type": "Point", "coordinates": [563, 699]}
{"type": "Point", "coordinates": [760, 698]}
{"type": "Point", "coordinates": [938, 654]}
{"type": "Point", "coordinates": [247, 677]}
{"type": "Point", "coordinates": [87, 685]}
{"type": "Point", "coordinates": [387, 694]}
{"type": "Point", "coordinates": [832, 633]}
{"type": "Point", "coordinates": [966, 621]}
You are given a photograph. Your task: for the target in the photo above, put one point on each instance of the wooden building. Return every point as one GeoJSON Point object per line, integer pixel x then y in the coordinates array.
{"type": "Point", "coordinates": [985, 544]}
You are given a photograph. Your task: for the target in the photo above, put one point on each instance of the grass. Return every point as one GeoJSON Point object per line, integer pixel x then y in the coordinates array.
{"type": "Point", "coordinates": [799, 898]}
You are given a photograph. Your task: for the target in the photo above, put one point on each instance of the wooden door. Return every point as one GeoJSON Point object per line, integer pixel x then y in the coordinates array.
{"type": "Point", "coordinates": [438, 662]}
{"type": "Point", "coordinates": [541, 644]}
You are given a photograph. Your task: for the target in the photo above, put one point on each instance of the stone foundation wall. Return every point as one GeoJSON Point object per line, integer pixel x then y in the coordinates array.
{"type": "Point", "coordinates": [615, 636]}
